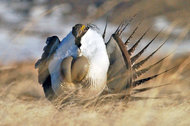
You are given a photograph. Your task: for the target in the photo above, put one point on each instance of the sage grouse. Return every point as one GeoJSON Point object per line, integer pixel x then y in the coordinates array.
{"type": "Point", "coordinates": [83, 61]}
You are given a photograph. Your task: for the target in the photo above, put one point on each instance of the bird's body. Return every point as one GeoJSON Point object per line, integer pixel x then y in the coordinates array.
{"type": "Point", "coordinates": [93, 49]}
{"type": "Point", "coordinates": [83, 62]}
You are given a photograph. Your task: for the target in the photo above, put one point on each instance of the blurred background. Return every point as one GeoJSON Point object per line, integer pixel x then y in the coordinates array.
{"type": "Point", "coordinates": [25, 24]}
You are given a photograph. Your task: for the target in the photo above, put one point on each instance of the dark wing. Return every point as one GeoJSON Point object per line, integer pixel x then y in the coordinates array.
{"type": "Point", "coordinates": [42, 64]}
{"type": "Point", "coordinates": [123, 70]}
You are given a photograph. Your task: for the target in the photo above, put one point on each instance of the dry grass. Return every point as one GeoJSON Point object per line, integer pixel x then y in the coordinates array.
{"type": "Point", "coordinates": [22, 101]}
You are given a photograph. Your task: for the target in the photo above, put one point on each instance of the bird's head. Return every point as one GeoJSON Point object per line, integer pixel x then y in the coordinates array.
{"type": "Point", "coordinates": [78, 31]}
{"type": "Point", "coordinates": [90, 42]}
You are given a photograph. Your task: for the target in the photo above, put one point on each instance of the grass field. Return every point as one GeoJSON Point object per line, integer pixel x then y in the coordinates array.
{"type": "Point", "coordinates": [22, 101]}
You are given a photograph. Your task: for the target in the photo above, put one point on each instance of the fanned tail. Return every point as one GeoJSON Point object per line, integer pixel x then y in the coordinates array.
{"type": "Point", "coordinates": [139, 64]}
{"type": "Point", "coordinates": [134, 58]}
{"type": "Point", "coordinates": [131, 35]}
{"type": "Point", "coordinates": [132, 49]}
{"type": "Point", "coordinates": [143, 71]}
{"type": "Point", "coordinates": [131, 67]}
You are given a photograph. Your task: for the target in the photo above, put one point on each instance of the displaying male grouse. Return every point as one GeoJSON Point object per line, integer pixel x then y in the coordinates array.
{"type": "Point", "coordinates": [83, 61]}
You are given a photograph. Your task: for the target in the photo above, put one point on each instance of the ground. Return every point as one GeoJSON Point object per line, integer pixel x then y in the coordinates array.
{"type": "Point", "coordinates": [22, 101]}
{"type": "Point", "coordinates": [23, 26]}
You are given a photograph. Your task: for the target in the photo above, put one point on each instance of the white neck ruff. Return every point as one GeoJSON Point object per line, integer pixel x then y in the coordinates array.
{"type": "Point", "coordinates": [94, 49]}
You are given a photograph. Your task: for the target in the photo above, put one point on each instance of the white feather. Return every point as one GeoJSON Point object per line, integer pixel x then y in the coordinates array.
{"type": "Point", "coordinates": [94, 49]}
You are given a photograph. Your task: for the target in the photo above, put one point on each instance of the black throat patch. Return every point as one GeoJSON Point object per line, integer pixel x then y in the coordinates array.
{"type": "Point", "coordinates": [78, 32]}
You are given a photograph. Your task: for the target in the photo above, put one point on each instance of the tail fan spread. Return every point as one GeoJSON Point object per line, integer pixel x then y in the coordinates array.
{"type": "Point", "coordinates": [132, 49]}
{"type": "Point", "coordinates": [129, 80]}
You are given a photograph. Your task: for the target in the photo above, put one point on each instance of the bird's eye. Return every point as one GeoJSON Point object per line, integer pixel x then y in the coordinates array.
{"type": "Point", "coordinates": [78, 31]}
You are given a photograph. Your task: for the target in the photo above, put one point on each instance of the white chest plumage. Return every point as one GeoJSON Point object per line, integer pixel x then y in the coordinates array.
{"type": "Point", "coordinates": [94, 49]}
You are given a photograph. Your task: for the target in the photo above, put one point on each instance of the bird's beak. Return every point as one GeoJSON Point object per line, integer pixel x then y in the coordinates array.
{"type": "Point", "coordinates": [81, 31]}
{"type": "Point", "coordinates": [82, 28]}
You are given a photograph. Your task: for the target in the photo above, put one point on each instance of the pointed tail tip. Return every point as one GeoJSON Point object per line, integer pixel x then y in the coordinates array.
{"type": "Point", "coordinates": [139, 82]}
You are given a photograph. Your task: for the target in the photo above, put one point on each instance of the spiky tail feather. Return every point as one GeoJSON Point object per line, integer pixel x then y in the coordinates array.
{"type": "Point", "coordinates": [141, 81]}
{"type": "Point", "coordinates": [130, 61]}
{"type": "Point", "coordinates": [139, 64]}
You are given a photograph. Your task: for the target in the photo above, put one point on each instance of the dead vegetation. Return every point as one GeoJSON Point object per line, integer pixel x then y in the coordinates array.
{"type": "Point", "coordinates": [164, 101]}
{"type": "Point", "coordinates": [22, 101]}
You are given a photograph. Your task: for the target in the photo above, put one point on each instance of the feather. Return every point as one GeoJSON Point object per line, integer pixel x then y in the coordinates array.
{"type": "Point", "coordinates": [134, 58]}
{"type": "Point", "coordinates": [127, 41]}
{"type": "Point", "coordinates": [141, 72]}
{"type": "Point", "coordinates": [119, 27]}
{"type": "Point", "coordinates": [104, 33]}
{"type": "Point", "coordinates": [139, 82]}
{"type": "Point", "coordinates": [123, 26]}
{"type": "Point", "coordinates": [132, 49]}
{"type": "Point", "coordinates": [66, 48]}
{"type": "Point", "coordinates": [136, 91]}
{"type": "Point", "coordinates": [139, 64]}
{"type": "Point", "coordinates": [49, 49]}
{"type": "Point", "coordinates": [123, 50]}
{"type": "Point", "coordinates": [42, 64]}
